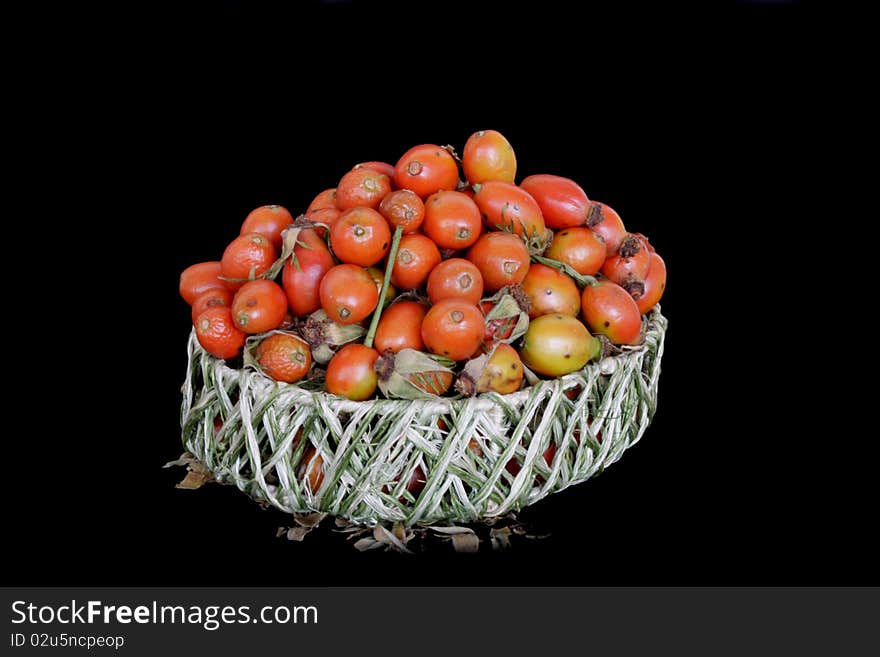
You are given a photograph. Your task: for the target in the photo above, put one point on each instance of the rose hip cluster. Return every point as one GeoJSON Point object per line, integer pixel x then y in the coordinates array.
{"type": "Point", "coordinates": [488, 280]}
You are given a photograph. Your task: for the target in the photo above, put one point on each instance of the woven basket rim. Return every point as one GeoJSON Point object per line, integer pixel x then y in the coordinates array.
{"type": "Point", "coordinates": [655, 327]}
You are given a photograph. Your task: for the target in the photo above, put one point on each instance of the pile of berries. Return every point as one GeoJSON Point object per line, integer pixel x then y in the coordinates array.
{"type": "Point", "coordinates": [434, 275]}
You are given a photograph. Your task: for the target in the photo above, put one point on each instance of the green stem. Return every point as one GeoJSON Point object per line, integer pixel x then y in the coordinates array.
{"type": "Point", "coordinates": [392, 256]}
{"type": "Point", "coordinates": [582, 279]}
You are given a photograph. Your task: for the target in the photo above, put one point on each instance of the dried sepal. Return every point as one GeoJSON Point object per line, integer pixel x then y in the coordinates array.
{"type": "Point", "coordinates": [501, 371]}
{"type": "Point", "coordinates": [289, 240]}
{"type": "Point", "coordinates": [537, 242]}
{"type": "Point", "coordinates": [506, 313]}
{"type": "Point", "coordinates": [472, 372]}
{"type": "Point", "coordinates": [323, 334]}
{"type": "Point", "coordinates": [412, 374]}
{"type": "Point", "coordinates": [253, 341]}
{"type": "Point", "coordinates": [530, 377]}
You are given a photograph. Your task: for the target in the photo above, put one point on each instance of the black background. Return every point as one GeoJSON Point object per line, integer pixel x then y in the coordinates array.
{"type": "Point", "coordinates": [693, 121]}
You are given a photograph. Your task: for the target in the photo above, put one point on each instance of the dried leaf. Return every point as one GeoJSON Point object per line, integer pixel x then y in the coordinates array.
{"type": "Point", "coordinates": [473, 370]}
{"type": "Point", "coordinates": [357, 531]}
{"type": "Point", "coordinates": [509, 314]}
{"type": "Point", "coordinates": [407, 367]}
{"type": "Point", "coordinates": [500, 538]}
{"type": "Point", "coordinates": [530, 377]}
{"type": "Point", "coordinates": [310, 520]}
{"type": "Point", "coordinates": [365, 544]}
{"type": "Point", "coordinates": [322, 353]}
{"type": "Point", "coordinates": [453, 530]}
{"type": "Point", "coordinates": [466, 543]}
{"type": "Point", "coordinates": [194, 480]}
{"type": "Point", "coordinates": [197, 466]}
{"type": "Point", "coordinates": [384, 536]}
{"type": "Point", "coordinates": [463, 538]}
{"type": "Point", "coordinates": [297, 533]}
{"type": "Point", "coordinates": [323, 334]}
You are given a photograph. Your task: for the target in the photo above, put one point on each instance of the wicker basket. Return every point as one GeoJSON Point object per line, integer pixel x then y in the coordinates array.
{"type": "Point", "coordinates": [463, 445]}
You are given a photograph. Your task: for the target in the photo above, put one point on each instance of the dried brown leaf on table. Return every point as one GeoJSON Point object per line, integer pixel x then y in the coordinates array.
{"type": "Point", "coordinates": [309, 520]}
{"type": "Point", "coordinates": [194, 480]}
{"type": "Point", "coordinates": [197, 466]}
{"type": "Point", "coordinates": [463, 538]}
{"type": "Point", "coordinates": [357, 532]}
{"type": "Point", "coordinates": [197, 474]}
{"type": "Point", "coordinates": [297, 533]}
{"type": "Point", "coordinates": [466, 543]}
{"type": "Point", "coordinates": [344, 526]}
{"type": "Point", "coordinates": [382, 535]}
{"type": "Point", "coordinates": [500, 538]}
{"type": "Point", "coordinates": [398, 536]}
{"type": "Point", "coordinates": [365, 544]}
{"type": "Point", "coordinates": [305, 523]}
